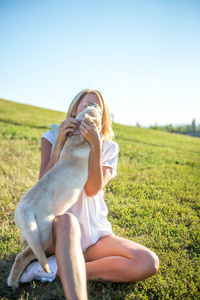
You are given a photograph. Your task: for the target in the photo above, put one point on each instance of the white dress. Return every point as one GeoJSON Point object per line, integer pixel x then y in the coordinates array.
{"type": "Point", "coordinates": [91, 212]}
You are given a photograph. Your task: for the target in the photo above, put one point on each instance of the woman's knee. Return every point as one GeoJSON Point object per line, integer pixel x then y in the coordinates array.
{"type": "Point", "coordinates": [64, 224]}
{"type": "Point", "coordinates": [147, 263]}
{"type": "Point", "coordinates": [153, 260]}
{"type": "Point", "coordinates": [150, 262]}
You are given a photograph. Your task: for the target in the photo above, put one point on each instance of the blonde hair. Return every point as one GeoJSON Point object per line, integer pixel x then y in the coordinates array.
{"type": "Point", "coordinates": [106, 118]}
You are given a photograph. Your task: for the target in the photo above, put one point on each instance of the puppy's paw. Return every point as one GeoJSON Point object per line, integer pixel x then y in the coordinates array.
{"type": "Point", "coordinates": [13, 284]}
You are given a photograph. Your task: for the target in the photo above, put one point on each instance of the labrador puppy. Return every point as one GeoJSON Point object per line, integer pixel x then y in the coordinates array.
{"type": "Point", "coordinates": [52, 195]}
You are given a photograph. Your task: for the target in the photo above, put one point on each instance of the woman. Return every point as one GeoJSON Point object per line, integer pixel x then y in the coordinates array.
{"type": "Point", "coordinates": [84, 244]}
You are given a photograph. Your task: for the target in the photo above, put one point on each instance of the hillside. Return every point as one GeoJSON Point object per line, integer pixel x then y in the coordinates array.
{"type": "Point", "coordinates": [154, 200]}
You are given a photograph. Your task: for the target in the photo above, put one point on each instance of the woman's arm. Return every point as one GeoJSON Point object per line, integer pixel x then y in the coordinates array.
{"type": "Point", "coordinates": [98, 176]}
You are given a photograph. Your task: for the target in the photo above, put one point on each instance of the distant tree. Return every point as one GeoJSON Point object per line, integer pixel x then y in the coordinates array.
{"type": "Point", "coordinates": [156, 127]}
{"type": "Point", "coordinates": [138, 125]}
{"type": "Point", "coordinates": [170, 128]}
{"type": "Point", "coordinates": [188, 128]}
{"type": "Point", "coordinates": [178, 129]}
{"type": "Point", "coordinates": [181, 129]}
{"type": "Point", "coordinates": [194, 125]}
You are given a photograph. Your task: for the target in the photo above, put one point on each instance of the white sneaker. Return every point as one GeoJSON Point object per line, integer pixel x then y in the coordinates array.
{"type": "Point", "coordinates": [35, 272]}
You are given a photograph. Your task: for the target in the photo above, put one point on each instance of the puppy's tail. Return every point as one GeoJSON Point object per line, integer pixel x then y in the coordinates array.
{"type": "Point", "coordinates": [32, 236]}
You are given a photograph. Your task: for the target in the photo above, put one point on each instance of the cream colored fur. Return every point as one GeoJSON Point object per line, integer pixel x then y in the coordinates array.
{"type": "Point", "coordinates": [52, 195]}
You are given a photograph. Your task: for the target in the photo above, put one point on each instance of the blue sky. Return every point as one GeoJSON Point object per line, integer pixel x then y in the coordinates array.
{"type": "Point", "coordinates": [143, 55]}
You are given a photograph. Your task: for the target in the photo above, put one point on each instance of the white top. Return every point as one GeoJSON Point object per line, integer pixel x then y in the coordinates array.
{"type": "Point", "coordinates": [91, 212]}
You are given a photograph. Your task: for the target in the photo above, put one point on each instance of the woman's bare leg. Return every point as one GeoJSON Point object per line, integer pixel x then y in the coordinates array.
{"type": "Point", "coordinates": [69, 256]}
{"type": "Point", "coordinates": [119, 260]}
{"type": "Point", "coordinates": [114, 259]}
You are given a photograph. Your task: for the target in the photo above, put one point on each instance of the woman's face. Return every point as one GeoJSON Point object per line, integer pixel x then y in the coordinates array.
{"type": "Point", "coordinates": [87, 100]}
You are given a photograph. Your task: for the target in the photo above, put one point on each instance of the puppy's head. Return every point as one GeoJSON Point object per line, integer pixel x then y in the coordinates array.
{"type": "Point", "coordinates": [92, 114]}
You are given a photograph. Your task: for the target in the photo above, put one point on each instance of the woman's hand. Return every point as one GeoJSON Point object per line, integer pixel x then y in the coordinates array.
{"type": "Point", "coordinates": [90, 132]}
{"type": "Point", "coordinates": [68, 126]}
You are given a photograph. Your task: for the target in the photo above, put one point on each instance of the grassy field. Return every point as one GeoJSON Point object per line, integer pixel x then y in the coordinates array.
{"type": "Point", "coordinates": [154, 200]}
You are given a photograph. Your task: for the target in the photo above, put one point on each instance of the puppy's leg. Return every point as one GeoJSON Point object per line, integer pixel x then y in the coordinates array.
{"type": "Point", "coordinates": [21, 261]}
{"type": "Point", "coordinates": [33, 237]}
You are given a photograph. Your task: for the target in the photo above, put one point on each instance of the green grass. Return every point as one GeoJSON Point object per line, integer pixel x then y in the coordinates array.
{"type": "Point", "coordinates": [154, 201]}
